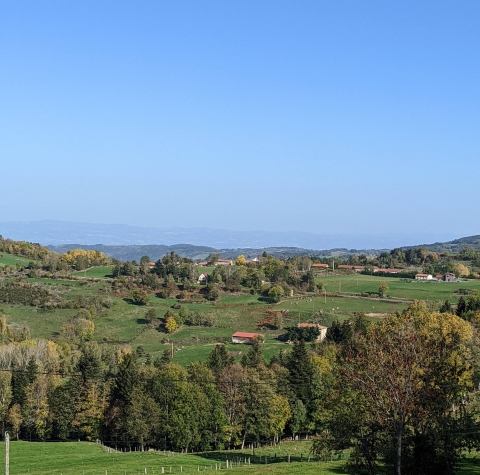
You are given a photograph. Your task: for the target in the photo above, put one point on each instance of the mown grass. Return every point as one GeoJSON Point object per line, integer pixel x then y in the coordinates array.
{"type": "Point", "coordinates": [100, 272]}
{"type": "Point", "coordinates": [88, 458]}
{"type": "Point", "coordinates": [84, 458]}
{"type": "Point", "coordinates": [9, 259]}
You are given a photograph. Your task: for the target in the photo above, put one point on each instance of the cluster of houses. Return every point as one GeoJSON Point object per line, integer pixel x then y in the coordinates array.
{"type": "Point", "coordinates": [448, 277]}
{"type": "Point", "coordinates": [227, 262]}
{"type": "Point", "coordinates": [356, 268]}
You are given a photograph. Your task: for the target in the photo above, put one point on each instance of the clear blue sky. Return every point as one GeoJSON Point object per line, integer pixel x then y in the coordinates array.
{"type": "Point", "coordinates": [322, 116]}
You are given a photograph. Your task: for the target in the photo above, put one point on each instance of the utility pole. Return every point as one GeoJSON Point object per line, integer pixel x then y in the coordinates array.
{"type": "Point", "coordinates": [7, 453]}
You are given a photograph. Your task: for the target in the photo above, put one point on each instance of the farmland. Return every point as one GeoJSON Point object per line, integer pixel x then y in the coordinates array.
{"type": "Point", "coordinates": [398, 288]}
{"type": "Point", "coordinates": [88, 458]}
{"type": "Point", "coordinates": [125, 323]}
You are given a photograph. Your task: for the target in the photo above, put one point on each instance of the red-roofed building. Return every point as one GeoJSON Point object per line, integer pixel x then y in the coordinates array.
{"type": "Point", "coordinates": [245, 337]}
{"type": "Point", "coordinates": [224, 262]}
{"type": "Point", "coordinates": [387, 271]}
{"type": "Point", "coordinates": [320, 266]}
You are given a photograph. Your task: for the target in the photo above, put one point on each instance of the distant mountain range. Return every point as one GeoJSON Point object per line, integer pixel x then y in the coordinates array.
{"type": "Point", "coordinates": [155, 252]}
{"type": "Point", "coordinates": [54, 233]}
{"type": "Point", "coordinates": [452, 246]}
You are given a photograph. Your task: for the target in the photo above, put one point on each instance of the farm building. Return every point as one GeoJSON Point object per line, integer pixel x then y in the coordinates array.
{"type": "Point", "coordinates": [245, 337]}
{"type": "Point", "coordinates": [202, 279]}
{"type": "Point", "coordinates": [319, 266]}
{"type": "Point", "coordinates": [321, 329]}
{"type": "Point", "coordinates": [387, 271]}
{"type": "Point", "coordinates": [448, 277]}
{"type": "Point", "coordinates": [423, 277]}
{"type": "Point", "coordinates": [224, 262]}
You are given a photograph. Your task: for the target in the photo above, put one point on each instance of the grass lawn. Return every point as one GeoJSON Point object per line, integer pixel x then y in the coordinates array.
{"type": "Point", "coordinates": [101, 272]}
{"type": "Point", "coordinates": [88, 458]}
{"type": "Point", "coordinates": [8, 259]}
{"type": "Point", "coordinates": [83, 458]}
{"type": "Point", "coordinates": [398, 288]}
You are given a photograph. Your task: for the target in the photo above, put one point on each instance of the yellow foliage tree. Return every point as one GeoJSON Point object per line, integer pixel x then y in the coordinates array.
{"type": "Point", "coordinates": [170, 324]}
{"type": "Point", "coordinates": [241, 261]}
{"type": "Point", "coordinates": [462, 270]}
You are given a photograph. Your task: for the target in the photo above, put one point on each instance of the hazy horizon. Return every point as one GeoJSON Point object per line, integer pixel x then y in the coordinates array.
{"type": "Point", "coordinates": [54, 232]}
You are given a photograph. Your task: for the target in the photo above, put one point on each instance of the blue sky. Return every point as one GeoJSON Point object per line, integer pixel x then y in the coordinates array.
{"type": "Point", "coordinates": [326, 117]}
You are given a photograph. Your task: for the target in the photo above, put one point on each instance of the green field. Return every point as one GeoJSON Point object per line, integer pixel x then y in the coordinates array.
{"type": "Point", "coordinates": [88, 458]}
{"type": "Point", "coordinates": [398, 288]}
{"type": "Point", "coordinates": [125, 323]}
{"type": "Point", "coordinates": [8, 259]}
{"type": "Point", "coordinates": [100, 272]}
{"type": "Point", "coordinates": [83, 458]}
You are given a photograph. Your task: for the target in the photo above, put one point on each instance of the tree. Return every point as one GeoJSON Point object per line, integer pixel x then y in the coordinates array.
{"type": "Point", "coordinates": [15, 419]}
{"type": "Point", "coordinates": [382, 289]}
{"type": "Point", "coordinates": [254, 356]}
{"type": "Point", "coordinates": [404, 375]}
{"type": "Point", "coordinates": [212, 292]}
{"type": "Point", "coordinates": [170, 324]}
{"type": "Point", "coordinates": [446, 307]}
{"type": "Point", "coordinates": [275, 293]}
{"type": "Point", "coordinates": [151, 315]}
{"type": "Point", "coordinates": [241, 261]}
{"type": "Point", "coordinates": [462, 270]}
{"type": "Point", "coordinates": [144, 260]}
{"type": "Point", "coordinates": [219, 358]}
{"type": "Point", "coordinates": [140, 297]}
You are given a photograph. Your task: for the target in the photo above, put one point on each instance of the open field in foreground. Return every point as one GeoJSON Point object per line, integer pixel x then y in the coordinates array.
{"type": "Point", "coordinates": [84, 458]}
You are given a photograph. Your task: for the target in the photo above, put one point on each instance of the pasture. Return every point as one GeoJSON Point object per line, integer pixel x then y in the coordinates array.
{"type": "Point", "coordinates": [8, 259]}
{"type": "Point", "coordinates": [398, 288]}
{"type": "Point", "coordinates": [99, 272]}
{"type": "Point", "coordinates": [124, 323]}
{"type": "Point", "coordinates": [88, 458]}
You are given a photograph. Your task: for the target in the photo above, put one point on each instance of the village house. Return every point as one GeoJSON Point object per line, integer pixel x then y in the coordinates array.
{"type": "Point", "coordinates": [448, 277]}
{"type": "Point", "coordinates": [224, 262]}
{"type": "Point", "coordinates": [319, 266]}
{"type": "Point", "coordinates": [202, 279]}
{"type": "Point", "coordinates": [321, 329]}
{"type": "Point", "coordinates": [245, 337]}
{"type": "Point", "coordinates": [387, 271]}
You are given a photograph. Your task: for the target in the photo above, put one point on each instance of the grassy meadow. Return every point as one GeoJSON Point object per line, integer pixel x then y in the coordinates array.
{"type": "Point", "coordinates": [125, 323]}
{"type": "Point", "coordinates": [100, 272]}
{"type": "Point", "coordinates": [398, 288]}
{"type": "Point", "coordinates": [88, 458]}
{"type": "Point", "coordinates": [84, 458]}
{"type": "Point", "coordinates": [8, 259]}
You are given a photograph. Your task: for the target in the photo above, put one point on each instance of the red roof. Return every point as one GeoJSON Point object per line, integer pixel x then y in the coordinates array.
{"type": "Point", "coordinates": [245, 335]}
{"type": "Point", "coordinates": [422, 275]}
{"type": "Point", "coordinates": [344, 266]}
{"type": "Point", "coordinates": [319, 265]}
